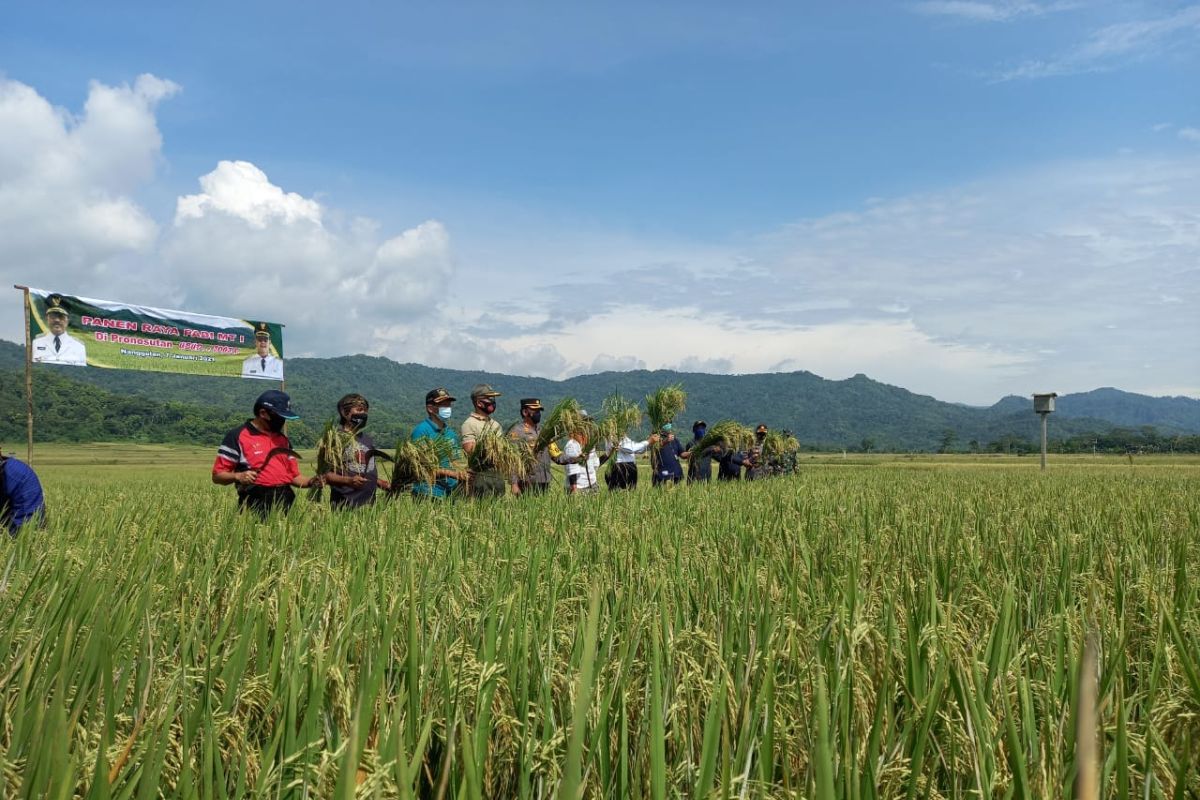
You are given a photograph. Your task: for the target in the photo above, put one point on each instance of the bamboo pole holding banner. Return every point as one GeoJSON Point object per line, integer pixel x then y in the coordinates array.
{"type": "Point", "coordinates": [28, 378]}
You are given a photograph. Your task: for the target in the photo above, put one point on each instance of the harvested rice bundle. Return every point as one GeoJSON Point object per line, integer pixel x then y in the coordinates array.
{"type": "Point", "coordinates": [331, 454]}
{"type": "Point", "coordinates": [728, 434]}
{"type": "Point", "coordinates": [496, 452]}
{"type": "Point", "coordinates": [776, 446]}
{"type": "Point", "coordinates": [618, 417]}
{"type": "Point", "coordinates": [566, 419]}
{"type": "Point", "coordinates": [664, 405]}
{"type": "Point", "coordinates": [418, 462]}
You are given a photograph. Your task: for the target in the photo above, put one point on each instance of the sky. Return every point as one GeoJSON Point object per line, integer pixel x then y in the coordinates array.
{"type": "Point", "coordinates": [968, 199]}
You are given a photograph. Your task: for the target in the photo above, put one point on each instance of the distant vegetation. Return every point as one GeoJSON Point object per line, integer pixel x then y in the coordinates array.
{"type": "Point", "coordinates": [857, 414]}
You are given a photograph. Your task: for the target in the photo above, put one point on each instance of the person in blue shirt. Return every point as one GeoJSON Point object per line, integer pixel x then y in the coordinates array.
{"type": "Point", "coordinates": [21, 498]}
{"type": "Point", "coordinates": [664, 459]}
{"type": "Point", "coordinates": [438, 408]}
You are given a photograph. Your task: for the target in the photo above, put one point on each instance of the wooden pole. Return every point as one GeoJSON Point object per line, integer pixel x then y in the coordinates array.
{"type": "Point", "coordinates": [28, 380]}
{"type": "Point", "coordinates": [1043, 416]}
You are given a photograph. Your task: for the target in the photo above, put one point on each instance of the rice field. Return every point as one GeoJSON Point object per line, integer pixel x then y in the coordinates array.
{"type": "Point", "coordinates": [870, 627]}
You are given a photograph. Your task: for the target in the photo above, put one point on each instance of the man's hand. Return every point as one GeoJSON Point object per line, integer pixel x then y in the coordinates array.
{"type": "Point", "coordinates": [384, 485]}
{"type": "Point", "coordinates": [246, 478]}
{"type": "Point", "coordinates": [516, 487]}
{"type": "Point", "coordinates": [358, 481]}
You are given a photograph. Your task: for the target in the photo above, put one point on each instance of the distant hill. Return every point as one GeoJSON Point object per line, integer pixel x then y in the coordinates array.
{"type": "Point", "coordinates": [822, 413]}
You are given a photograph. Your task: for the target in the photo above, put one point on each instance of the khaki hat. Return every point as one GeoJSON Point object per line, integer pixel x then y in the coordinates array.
{"type": "Point", "coordinates": [483, 390]}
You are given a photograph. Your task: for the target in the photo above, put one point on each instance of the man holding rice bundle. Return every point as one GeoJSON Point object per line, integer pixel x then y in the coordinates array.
{"type": "Point", "coordinates": [346, 457]}
{"type": "Point", "coordinates": [665, 458]}
{"type": "Point", "coordinates": [700, 458]}
{"type": "Point", "coordinates": [527, 430]}
{"type": "Point", "coordinates": [486, 479]}
{"type": "Point", "coordinates": [439, 405]}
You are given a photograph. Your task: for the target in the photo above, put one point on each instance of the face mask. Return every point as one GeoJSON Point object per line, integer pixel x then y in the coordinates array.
{"type": "Point", "coordinates": [444, 412]}
{"type": "Point", "coordinates": [535, 417]}
{"type": "Point", "coordinates": [701, 431]}
{"type": "Point", "coordinates": [488, 407]}
{"type": "Point", "coordinates": [760, 436]}
{"type": "Point", "coordinates": [275, 423]}
{"type": "Point", "coordinates": [358, 420]}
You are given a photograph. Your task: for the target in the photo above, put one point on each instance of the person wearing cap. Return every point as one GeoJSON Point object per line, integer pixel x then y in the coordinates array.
{"type": "Point", "coordinates": [664, 459]}
{"type": "Point", "coordinates": [485, 482]}
{"type": "Point", "coordinates": [57, 346]}
{"type": "Point", "coordinates": [355, 478]}
{"type": "Point", "coordinates": [263, 364]}
{"type": "Point", "coordinates": [258, 458]}
{"type": "Point", "coordinates": [623, 474]}
{"type": "Point", "coordinates": [700, 461]}
{"type": "Point", "coordinates": [21, 498]}
{"type": "Point", "coordinates": [439, 405]}
{"type": "Point", "coordinates": [527, 430]}
{"type": "Point", "coordinates": [756, 465]}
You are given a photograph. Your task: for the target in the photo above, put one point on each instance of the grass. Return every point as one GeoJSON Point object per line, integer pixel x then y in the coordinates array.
{"type": "Point", "coordinates": [872, 627]}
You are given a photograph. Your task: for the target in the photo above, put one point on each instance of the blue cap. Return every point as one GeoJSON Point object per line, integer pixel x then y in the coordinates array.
{"type": "Point", "coordinates": [276, 402]}
{"type": "Point", "coordinates": [668, 427]}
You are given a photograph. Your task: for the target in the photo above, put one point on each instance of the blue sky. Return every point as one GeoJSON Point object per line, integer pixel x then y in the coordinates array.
{"type": "Point", "coordinates": [964, 198]}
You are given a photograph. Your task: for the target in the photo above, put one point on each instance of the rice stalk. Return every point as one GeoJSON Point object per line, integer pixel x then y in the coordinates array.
{"type": "Point", "coordinates": [496, 452]}
{"type": "Point", "coordinates": [664, 404]}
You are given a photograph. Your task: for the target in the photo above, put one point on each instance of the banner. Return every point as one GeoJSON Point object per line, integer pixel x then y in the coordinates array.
{"type": "Point", "coordinates": [79, 331]}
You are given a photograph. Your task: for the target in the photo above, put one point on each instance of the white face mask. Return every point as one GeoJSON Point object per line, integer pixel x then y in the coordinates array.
{"type": "Point", "coordinates": [445, 411]}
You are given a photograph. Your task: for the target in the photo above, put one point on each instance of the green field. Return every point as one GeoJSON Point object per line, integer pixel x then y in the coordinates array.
{"type": "Point", "coordinates": [872, 627]}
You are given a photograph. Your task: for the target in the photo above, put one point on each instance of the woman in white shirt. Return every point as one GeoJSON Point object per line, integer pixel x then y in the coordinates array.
{"type": "Point", "coordinates": [582, 470]}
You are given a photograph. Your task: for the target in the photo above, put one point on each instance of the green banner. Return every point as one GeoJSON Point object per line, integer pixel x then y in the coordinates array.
{"type": "Point", "coordinates": [80, 331]}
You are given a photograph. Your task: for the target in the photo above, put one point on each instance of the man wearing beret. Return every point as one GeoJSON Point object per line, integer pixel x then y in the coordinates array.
{"type": "Point", "coordinates": [527, 430]}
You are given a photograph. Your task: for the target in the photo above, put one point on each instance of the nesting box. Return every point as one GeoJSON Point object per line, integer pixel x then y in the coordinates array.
{"type": "Point", "coordinates": [1044, 403]}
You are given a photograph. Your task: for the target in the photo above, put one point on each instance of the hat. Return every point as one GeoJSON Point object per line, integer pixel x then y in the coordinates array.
{"type": "Point", "coordinates": [54, 305]}
{"type": "Point", "coordinates": [698, 423]}
{"type": "Point", "coordinates": [668, 426]}
{"type": "Point", "coordinates": [483, 390]}
{"type": "Point", "coordinates": [531, 403]}
{"type": "Point", "coordinates": [436, 396]}
{"type": "Point", "coordinates": [261, 331]}
{"type": "Point", "coordinates": [277, 402]}
{"type": "Point", "coordinates": [761, 428]}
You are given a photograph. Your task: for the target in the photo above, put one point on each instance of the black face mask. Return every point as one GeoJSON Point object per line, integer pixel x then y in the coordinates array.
{"type": "Point", "coordinates": [359, 421]}
{"type": "Point", "coordinates": [535, 417]}
{"type": "Point", "coordinates": [760, 436]}
{"type": "Point", "coordinates": [488, 407]}
{"type": "Point", "coordinates": [275, 423]}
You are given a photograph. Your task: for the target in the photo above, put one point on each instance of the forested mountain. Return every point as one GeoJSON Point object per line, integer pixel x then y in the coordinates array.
{"type": "Point", "coordinates": [859, 413]}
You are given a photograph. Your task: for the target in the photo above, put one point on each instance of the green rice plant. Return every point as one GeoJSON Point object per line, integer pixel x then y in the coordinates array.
{"type": "Point", "coordinates": [939, 629]}
{"type": "Point", "coordinates": [331, 453]}
{"type": "Point", "coordinates": [776, 446]}
{"type": "Point", "coordinates": [664, 405]}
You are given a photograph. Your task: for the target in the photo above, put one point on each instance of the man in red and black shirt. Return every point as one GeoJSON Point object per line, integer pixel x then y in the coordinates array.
{"type": "Point", "coordinates": [258, 458]}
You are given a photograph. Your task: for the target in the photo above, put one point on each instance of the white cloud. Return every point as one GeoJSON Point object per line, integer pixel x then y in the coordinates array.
{"type": "Point", "coordinates": [240, 189]}
{"type": "Point", "coordinates": [247, 246]}
{"type": "Point", "coordinates": [1113, 45]}
{"type": "Point", "coordinates": [66, 180]}
{"type": "Point", "coordinates": [1190, 134]}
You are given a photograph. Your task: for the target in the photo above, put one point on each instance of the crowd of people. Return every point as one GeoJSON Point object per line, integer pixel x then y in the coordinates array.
{"type": "Point", "coordinates": [258, 459]}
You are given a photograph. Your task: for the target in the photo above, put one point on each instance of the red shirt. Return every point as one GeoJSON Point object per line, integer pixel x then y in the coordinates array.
{"type": "Point", "coordinates": [247, 448]}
